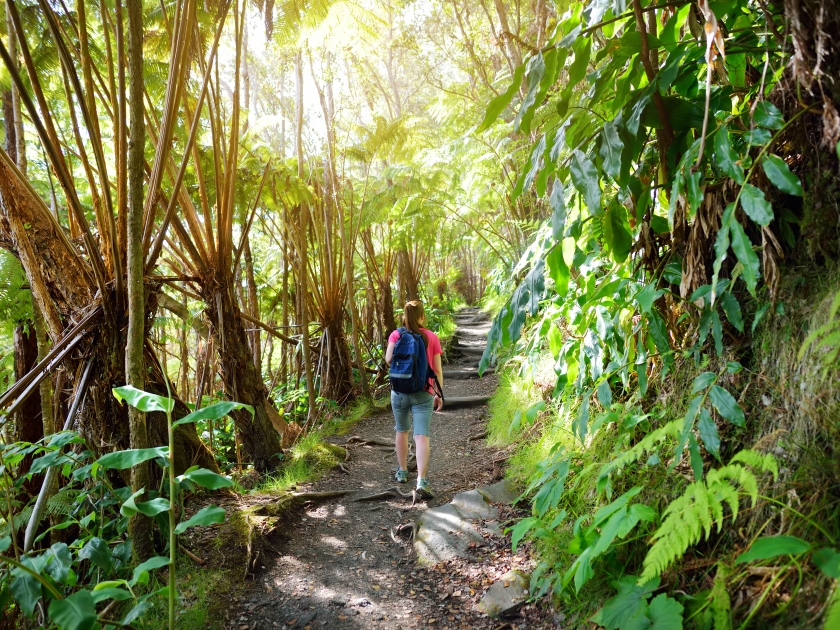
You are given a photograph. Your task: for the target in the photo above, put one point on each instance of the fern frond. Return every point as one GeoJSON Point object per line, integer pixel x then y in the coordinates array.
{"type": "Point", "coordinates": [644, 446]}
{"type": "Point", "coordinates": [689, 516]}
{"type": "Point", "coordinates": [62, 503]}
{"type": "Point", "coordinates": [764, 462]}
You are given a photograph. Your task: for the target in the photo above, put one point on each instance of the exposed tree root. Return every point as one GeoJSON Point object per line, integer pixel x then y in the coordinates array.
{"type": "Point", "coordinates": [355, 439]}
{"type": "Point", "coordinates": [411, 527]}
{"type": "Point", "coordinates": [192, 556]}
{"type": "Point", "coordinates": [390, 492]}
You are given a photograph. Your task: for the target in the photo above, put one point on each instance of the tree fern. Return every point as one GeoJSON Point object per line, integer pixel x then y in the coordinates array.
{"type": "Point", "coordinates": [691, 516]}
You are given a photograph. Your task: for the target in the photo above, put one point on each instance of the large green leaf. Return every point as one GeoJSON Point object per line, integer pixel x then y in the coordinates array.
{"type": "Point", "coordinates": [214, 412]}
{"type": "Point", "coordinates": [616, 233]}
{"type": "Point", "coordinates": [630, 602]}
{"type": "Point", "coordinates": [137, 611]}
{"type": "Point", "coordinates": [498, 104]}
{"type": "Point", "coordinates": [582, 48]}
{"type": "Point", "coordinates": [557, 201]}
{"type": "Point", "coordinates": [585, 178]}
{"type": "Point", "coordinates": [131, 457]}
{"type": "Point", "coordinates": [535, 284]}
{"type": "Point", "coordinates": [611, 148]}
{"type": "Point", "coordinates": [109, 592]}
{"type": "Point", "coordinates": [636, 111]}
{"type": "Point", "coordinates": [141, 571]}
{"type": "Point", "coordinates": [726, 405]}
{"type": "Point", "coordinates": [770, 547]}
{"type": "Point", "coordinates": [647, 296]}
{"type": "Point", "coordinates": [536, 70]}
{"type": "Point", "coordinates": [149, 508]}
{"type": "Point", "coordinates": [76, 612]}
{"type": "Point", "coordinates": [743, 248]}
{"type": "Point", "coordinates": [768, 115]}
{"type": "Point", "coordinates": [558, 270]}
{"type": "Point", "coordinates": [207, 479]}
{"type": "Point", "coordinates": [144, 401]}
{"type": "Point", "coordinates": [702, 381]}
{"type": "Point", "coordinates": [709, 433]}
{"type": "Point", "coordinates": [682, 114]}
{"type": "Point", "coordinates": [97, 551]}
{"type": "Point", "coordinates": [59, 564]}
{"type": "Point", "coordinates": [658, 331]}
{"type": "Point", "coordinates": [521, 528]}
{"type": "Point", "coordinates": [725, 158]}
{"type": "Point", "coordinates": [827, 560]}
{"type": "Point", "coordinates": [722, 243]}
{"type": "Point", "coordinates": [25, 587]}
{"type": "Point", "coordinates": [732, 309]}
{"type": "Point", "coordinates": [755, 205]}
{"type": "Point", "coordinates": [663, 613]}
{"type": "Point", "coordinates": [205, 516]}
{"type": "Point", "coordinates": [779, 173]}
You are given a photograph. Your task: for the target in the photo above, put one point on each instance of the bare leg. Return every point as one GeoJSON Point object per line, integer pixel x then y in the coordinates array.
{"type": "Point", "coordinates": [401, 443]}
{"type": "Point", "coordinates": [421, 443]}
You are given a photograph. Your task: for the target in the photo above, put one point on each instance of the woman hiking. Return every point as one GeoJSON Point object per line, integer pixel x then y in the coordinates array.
{"type": "Point", "coordinates": [421, 403]}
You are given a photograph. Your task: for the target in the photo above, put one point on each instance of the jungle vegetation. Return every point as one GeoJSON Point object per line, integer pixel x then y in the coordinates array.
{"type": "Point", "coordinates": [211, 213]}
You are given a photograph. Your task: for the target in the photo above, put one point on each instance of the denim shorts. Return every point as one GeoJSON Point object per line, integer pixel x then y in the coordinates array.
{"type": "Point", "coordinates": [420, 406]}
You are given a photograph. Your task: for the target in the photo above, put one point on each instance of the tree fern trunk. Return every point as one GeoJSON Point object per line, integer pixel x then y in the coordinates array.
{"type": "Point", "coordinates": [140, 527]}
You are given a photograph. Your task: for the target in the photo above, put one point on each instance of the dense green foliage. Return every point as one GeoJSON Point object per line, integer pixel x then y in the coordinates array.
{"type": "Point", "coordinates": [671, 176]}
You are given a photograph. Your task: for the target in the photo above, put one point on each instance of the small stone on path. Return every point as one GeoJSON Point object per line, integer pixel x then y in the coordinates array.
{"type": "Point", "coordinates": [506, 595]}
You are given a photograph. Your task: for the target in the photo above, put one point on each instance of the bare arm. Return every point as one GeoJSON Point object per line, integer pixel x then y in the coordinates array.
{"type": "Point", "coordinates": [438, 402]}
{"type": "Point", "coordinates": [389, 353]}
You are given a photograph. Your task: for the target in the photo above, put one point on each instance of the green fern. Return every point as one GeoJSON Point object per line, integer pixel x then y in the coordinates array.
{"type": "Point", "coordinates": [63, 502]}
{"type": "Point", "coordinates": [649, 443]}
{"type": "Point", "coordinates": [691, 516]}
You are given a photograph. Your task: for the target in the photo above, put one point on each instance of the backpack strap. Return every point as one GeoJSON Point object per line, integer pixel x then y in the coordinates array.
{"type": "Point", "coordinates": [436, 387]}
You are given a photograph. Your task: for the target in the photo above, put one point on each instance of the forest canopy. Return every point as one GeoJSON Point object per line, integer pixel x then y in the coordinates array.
{"type": "Point", "coordinates": [211, 216]}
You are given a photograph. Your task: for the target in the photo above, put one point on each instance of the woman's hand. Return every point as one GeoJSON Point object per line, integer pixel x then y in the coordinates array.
{"type": "Point", "coordinates": [437, 405]}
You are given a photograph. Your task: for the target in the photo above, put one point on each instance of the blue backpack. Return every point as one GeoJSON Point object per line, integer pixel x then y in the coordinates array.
{"type": "Point", "coordinates": [409, 365]}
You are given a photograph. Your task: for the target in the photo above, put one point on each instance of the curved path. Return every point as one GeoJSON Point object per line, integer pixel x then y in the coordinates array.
{"type": "Point", "coordinates": [347, 564]}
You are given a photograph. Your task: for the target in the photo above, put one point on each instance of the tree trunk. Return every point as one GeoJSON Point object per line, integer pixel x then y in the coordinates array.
{"type": "Point", "coordinates": [28, 421]}
{"type": "Point", "coordinates": [303, 283]}
{"type": "Point", "coordinates": [139, 526]}
{"type": "Point", "coordinates": [241, 380]}
{"type": "Point", "coordinates": [254, 306]}
{"type": "Point", "coordinates": [16, 120]}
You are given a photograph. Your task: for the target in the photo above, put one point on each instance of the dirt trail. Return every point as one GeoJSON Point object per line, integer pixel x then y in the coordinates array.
{"type": "Point", "coordinates": [337, 564]}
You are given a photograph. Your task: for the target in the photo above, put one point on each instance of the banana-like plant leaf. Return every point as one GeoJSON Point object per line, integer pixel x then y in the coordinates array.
{"type": "Point", "coordinates": [207, 479]}
{"type": "Point", "coordinates": [214, 412]}
{"type": "Point", "coordinates": [205, 516]}
{"type": "Point", "coordinates": [131, 457]}
{"type": "Point", "coordinates": [76, 612]}
{"type": "Point", "coordinates": [144, 401]}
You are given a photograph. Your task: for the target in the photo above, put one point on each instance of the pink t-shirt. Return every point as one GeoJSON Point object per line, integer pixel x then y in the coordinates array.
{"type": "Point", "coordinates": [433, 348]}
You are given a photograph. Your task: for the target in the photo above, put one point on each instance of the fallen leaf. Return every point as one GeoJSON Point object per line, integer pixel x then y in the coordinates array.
{"type": "Point", "coordinates": [343, 617]}
{"type": "Point", "coordinates": [376, 588]}
{"type": "Point", "coordinates": [456, 594]}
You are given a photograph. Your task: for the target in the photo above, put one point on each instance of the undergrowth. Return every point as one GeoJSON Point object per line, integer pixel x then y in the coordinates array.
{"type": "Point", "coordinates": [766, 477]}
